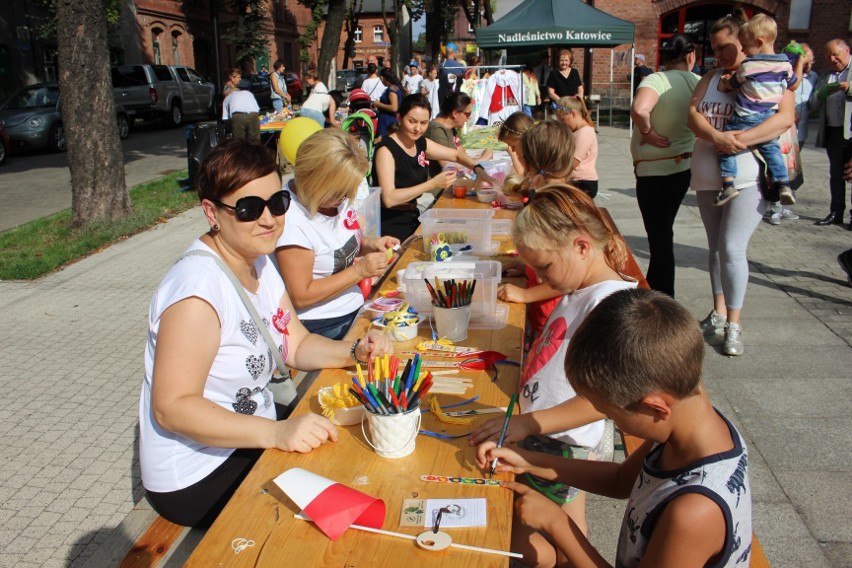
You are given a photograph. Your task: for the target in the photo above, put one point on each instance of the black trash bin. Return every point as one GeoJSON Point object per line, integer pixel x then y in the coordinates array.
{"type": "Point", "coordinates": [201, 138]}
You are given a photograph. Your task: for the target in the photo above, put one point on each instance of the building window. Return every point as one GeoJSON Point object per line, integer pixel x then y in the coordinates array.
{"type": "Point", "coordinates": [378, 34]}
{"type": "Point", "coordinates": [176, 48]}
{"type": "Point", "coordinates": [800, 14]}
{"type": "Point", "coordinates": [155, 44]}
{"type": "Point", "coordinates": [359, 34]}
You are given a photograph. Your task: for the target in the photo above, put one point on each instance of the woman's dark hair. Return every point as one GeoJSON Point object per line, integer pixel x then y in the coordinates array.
{"type": "Point", "coordinates": [230, 166]}
{"type": "Point", "coordinates": [390, 77]}
{"type": "Point", "coordinates": [455, 102]}
{"type": "Point", "coordinates": [372, 68]}
{"type": "Point", "coordinates": [415, 100]}
{"type": "Point", "coordinates": [278, 63]}
{"type": "Point", "coordinates": [677, 48]}
{"type": "Point", "coordinates": [732, 22]}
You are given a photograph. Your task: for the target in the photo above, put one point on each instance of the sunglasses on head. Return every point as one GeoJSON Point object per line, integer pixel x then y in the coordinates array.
{"type": "Point", "coordinates": [251, 208]}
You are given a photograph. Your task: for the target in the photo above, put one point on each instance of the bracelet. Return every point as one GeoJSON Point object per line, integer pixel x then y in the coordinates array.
{"type": "Point", "coordinates": [478, 166]}
{"type": "Point", "coordinates": [352, 352]}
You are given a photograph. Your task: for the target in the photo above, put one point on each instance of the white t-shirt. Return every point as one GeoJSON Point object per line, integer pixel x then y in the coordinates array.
{"type": "Point", "coordinates": [431, 88]}
{"type": "Point", "coordinates": [374, 88]}
{"type": "Point", "coordinates": [239, 101]}
{"type": "Point", "coordinates": [412, 83]}
{"type": "Point", "coordinates": [543, 382]}
{"type": "Point", "coordinates": [318, 99]}
{"type": "Point", "coordinates": [335, 242]}
{"type": "Point", "coordinates": [718, 108]}
{"type": "Point", "coordinates": [238, 377]}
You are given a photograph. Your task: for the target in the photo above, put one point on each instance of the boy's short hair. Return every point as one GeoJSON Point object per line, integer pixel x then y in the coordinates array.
{"type": "Point", "coordinates": [634, 343]}
{"type": "Point", "coordinates": [760, 26]}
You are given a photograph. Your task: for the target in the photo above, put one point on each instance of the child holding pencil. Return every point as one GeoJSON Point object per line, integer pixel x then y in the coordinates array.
{"type": "Point", "coordinates": [572, 247]}
{"type": "Point", "coordinates": [638, 358]}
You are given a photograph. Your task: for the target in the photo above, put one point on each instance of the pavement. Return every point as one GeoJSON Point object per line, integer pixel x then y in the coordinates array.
{"type": "Point", "coordinates": [71, 366]}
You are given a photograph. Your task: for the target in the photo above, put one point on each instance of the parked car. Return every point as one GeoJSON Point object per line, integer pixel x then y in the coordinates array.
{"type": "Point", "coordinates": [5, 145]}
{"type": "Point", "coordinates": [346, 79]}
{"type": "Point", "coordinates": [294, 86]}
{"type": "Point", "coordinates": [261, 88]}
{"type": "Point", "coordinates": [166, 92]}
{"type": "Point", "coordinates": [32, 119]}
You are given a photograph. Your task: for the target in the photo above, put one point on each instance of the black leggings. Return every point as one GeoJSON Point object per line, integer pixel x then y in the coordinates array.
{"type": "Point", "coordinates": [659, 199]}
{"type": "Point", "coordinates": [199, 504]}
{"type": "Point", "coordinates": [590, 187]}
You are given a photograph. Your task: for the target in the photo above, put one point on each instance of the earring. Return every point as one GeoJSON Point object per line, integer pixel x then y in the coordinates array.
{"type": "Point", "coordinates": [215, 228]}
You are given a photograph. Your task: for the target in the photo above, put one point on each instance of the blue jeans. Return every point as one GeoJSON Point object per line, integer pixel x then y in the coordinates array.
{"type": "Point", "coordinates": [771, 151]}
{"type": "Point", "coordinates": [314, 114]}
{"type": "Point", "coordinates": [332, 328]}
{"type": "Point", "coordinates": [278, 104]}
{"type": "Point", "coordinates": [528, 110]}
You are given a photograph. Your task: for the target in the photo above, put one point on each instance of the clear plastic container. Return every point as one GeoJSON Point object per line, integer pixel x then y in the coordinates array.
{"type": "Point", "coordinates": [458, 227]}
{"type": "Point", "coordinates": [368, 204]}
{"type": "Point", "coordinates": [487, 274]}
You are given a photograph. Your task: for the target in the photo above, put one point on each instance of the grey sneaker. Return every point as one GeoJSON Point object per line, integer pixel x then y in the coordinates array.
{"type": "Point", "coordinates": [733, 339]}
{"type": "Point", "coordinates": [775, 219]}
{"type": "Point", "coordinates": [787, 214]}
{"type": "Point", "coordinates": [713, 324]}
{"type": "Point", "coordinates": [787, 195]}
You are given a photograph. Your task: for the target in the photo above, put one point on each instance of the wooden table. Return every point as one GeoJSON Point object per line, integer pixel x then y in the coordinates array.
{"type": "Point", "coordinates": [260, 511]}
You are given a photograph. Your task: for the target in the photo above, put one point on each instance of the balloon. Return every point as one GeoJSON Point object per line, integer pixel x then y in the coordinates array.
{"type": "Point", "coordinates": [294, 133]}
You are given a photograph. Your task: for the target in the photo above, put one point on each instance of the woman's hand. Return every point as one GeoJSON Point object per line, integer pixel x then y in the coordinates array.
{"type": "Point", "coordinates": [534, 509]}
{"type": "Point", "coordinates": [444, 179]}
{"type": "Point", "coordinates": [653, 139]}
{"type": "Point", "coordinates": [727, 142]}
{"type": "Point", "coordinates": [519, 428]}
{"type": "Point", "coordinates": [371, 265]}
{"type": "Point", "coordinates": [374, 344]}
{"type": "Point", "coordinates": [303, 433]}
{"type": "Point", "coordinates": [381, 244]}
{"type": "Point", "coordinates": [511, 293]}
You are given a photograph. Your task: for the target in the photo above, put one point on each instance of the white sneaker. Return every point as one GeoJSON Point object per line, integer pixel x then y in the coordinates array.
{"type": "Point", "coordinates": [713, 324]}
{"type": "Point", "coordinates": [733, 339]}
{"type": "Point", "coordinates": [775, 219]}
{"type": "Point", "coordinates": [787, 214]}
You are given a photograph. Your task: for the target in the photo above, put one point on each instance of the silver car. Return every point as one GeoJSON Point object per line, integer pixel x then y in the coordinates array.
{"type": "Point", "coordinates": [32, 118]}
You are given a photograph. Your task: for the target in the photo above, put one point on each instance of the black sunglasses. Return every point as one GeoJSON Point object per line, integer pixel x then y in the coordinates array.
{"type": "Point", "coordinates": [251, 208]}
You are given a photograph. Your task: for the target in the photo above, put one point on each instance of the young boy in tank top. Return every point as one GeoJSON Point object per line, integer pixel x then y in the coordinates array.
{"type": "Point", "coordinates": [638, 357]}
{"type": "Point", "coordinates": [760, 83]}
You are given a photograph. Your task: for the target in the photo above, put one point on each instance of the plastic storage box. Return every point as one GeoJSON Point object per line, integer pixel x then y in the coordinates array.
{"type": "Point", "coordinates": [368, 204]}
{"type": "Point", "coordinates": [460, 228]}
{"type": "Point", "coordinates": [487, 274]}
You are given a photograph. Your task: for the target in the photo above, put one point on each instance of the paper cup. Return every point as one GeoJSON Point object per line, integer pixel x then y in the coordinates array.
{"type": "Point", "coordinates": [451, 323]}
{"type": "Point", "coordinates": [393, 435]}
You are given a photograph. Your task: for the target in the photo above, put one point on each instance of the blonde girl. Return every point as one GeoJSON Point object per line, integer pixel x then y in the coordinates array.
{"type": "Point", "coordinates": [510, 134]}
{"type": "Point", "coordinates": [322, 237]}
{"type": "Point", "coordinates": [576, 250]}
{"type": "Point", "coordinates": [573, 112]}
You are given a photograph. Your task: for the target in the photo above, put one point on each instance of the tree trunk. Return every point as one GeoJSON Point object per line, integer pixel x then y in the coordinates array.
{"type": "Point", "coordinates": [98, 187]}
{"type": "Point", "coordinates": [331, 37]}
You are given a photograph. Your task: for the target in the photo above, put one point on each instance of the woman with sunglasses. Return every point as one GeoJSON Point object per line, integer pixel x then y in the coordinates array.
{"type": "Point", "coordinates": [206, 413]}
{"type": "Point", "coordinates": [401, 167]}
{"type": "Point", "coordinates": [316, 253]}
{"type": "Point", "coordinates": [445, 129]}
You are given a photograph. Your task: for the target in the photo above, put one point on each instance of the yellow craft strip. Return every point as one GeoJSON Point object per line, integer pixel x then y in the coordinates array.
{"type": "Point", "coordinates": [442, 416]}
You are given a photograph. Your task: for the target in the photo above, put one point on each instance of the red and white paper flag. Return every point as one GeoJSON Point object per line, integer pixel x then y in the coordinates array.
{"type": "Point", "coordinates": [332, 506]}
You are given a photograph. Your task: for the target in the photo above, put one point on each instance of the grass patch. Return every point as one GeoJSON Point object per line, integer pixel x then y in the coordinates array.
{"type": "Point", "coordinates": [41, 246]}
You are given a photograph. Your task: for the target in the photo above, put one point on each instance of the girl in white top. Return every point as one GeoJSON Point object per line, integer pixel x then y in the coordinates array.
{"type": "Point", "coordinates": [205, 410]}
{"type": "Point", "coordinates": [573, 112]}
{"type": "Point", "coordinates": [429, 87]}
{"type": "Point", "coordinates": [319, 101]}
{"type": "Point", "coordinates": [572, 247]}
{"type": "Point", "coordinates": [728, 228]}
{"type": "Point", "coordinates": [316, 253]}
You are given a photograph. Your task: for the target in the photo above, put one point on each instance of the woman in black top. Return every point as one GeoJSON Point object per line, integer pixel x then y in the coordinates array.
{"type": "Point", "coordinates": [401, 167]}
{"type": "Point", "coordinates": [564, 81]}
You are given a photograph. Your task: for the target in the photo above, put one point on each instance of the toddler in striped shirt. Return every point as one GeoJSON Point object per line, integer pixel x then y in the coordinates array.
{"type": "Point", "coordinates": [760, 83]}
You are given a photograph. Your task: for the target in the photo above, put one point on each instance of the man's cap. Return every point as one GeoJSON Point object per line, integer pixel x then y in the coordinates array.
{"type": "Point", "coordinates": [413, 64]}
{"type": "Point", "coordinates": [358, 95]}
{"type": "Point", "coordinates": [452, 46]}
{"type": "Point", "coordinates": [640, 57]}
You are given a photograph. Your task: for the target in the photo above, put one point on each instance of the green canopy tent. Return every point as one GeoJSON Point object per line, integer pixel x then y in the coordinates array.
{"type": "Point", "coordinates": [546, 23]}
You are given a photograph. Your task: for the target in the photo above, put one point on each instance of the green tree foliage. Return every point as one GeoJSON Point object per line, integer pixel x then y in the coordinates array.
{"type": "Point", "coordinates": [248, 33]}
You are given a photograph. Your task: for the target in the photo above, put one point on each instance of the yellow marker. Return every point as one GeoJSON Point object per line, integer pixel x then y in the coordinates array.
{"type": "Point", "coordinates": [389, 252]}
{"type": "Point", "coordinates": [420, 380]}
{"type": "Point", "coordinates": [361, 380]}
{"type": "Point", "coordinates": [386, 366]}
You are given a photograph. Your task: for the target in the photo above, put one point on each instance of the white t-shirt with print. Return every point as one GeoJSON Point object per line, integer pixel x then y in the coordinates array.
{"type": "Point", "coordinates": [335, 242]}
{"type": "Point", "coordinates": [238, 377]}
{"type": "Point", "coordinates": [412, 83]}
{"type": "Point", "coordinates": [374, 88]}
{"type": "Point", "coordinates": [543, 382]}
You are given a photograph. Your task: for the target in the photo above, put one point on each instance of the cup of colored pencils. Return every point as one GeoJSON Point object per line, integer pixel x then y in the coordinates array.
{"type": "Point", "coordinates": [391, 394]}
{"type": "Point", "coordinates": [451, 301]}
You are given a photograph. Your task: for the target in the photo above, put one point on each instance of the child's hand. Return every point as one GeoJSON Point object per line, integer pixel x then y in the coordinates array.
{"type": "Point", "coordinates": [519, 428]}
{"type": "Point", "coordinates": [844, 86]}
{"type": "Point", "coordinates": [514, 268]}
{"type": "Point", "coordinates": [510, 458]}
{"type": "Point", "coordinates": [534, 509]}
{"type": "Point", "coordinates": [511, 293]}
{"type": "Point", "coordinates": [725, 84]}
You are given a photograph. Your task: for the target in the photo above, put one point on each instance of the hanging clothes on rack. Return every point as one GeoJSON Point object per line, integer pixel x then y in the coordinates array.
{"type": "Point", "coordinates": [501, 97]}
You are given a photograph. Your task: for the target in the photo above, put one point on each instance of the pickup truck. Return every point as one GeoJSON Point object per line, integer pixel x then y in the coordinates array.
{"type": "Point", "coordinates": [166, 92]}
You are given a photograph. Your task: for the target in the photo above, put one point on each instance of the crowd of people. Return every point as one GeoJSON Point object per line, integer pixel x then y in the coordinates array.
{"type": "Point", "coordinates": [261, 289]}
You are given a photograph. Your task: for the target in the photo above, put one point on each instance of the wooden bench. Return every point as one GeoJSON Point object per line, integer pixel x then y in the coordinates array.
{"type": "Point", "coordinates": [632, 443]}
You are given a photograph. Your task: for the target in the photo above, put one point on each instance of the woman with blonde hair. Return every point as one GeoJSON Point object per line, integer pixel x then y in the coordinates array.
{"type": "Point", "coordinates": [316, 253]}
{"type": "Point", "coordinates": [573, 112]}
